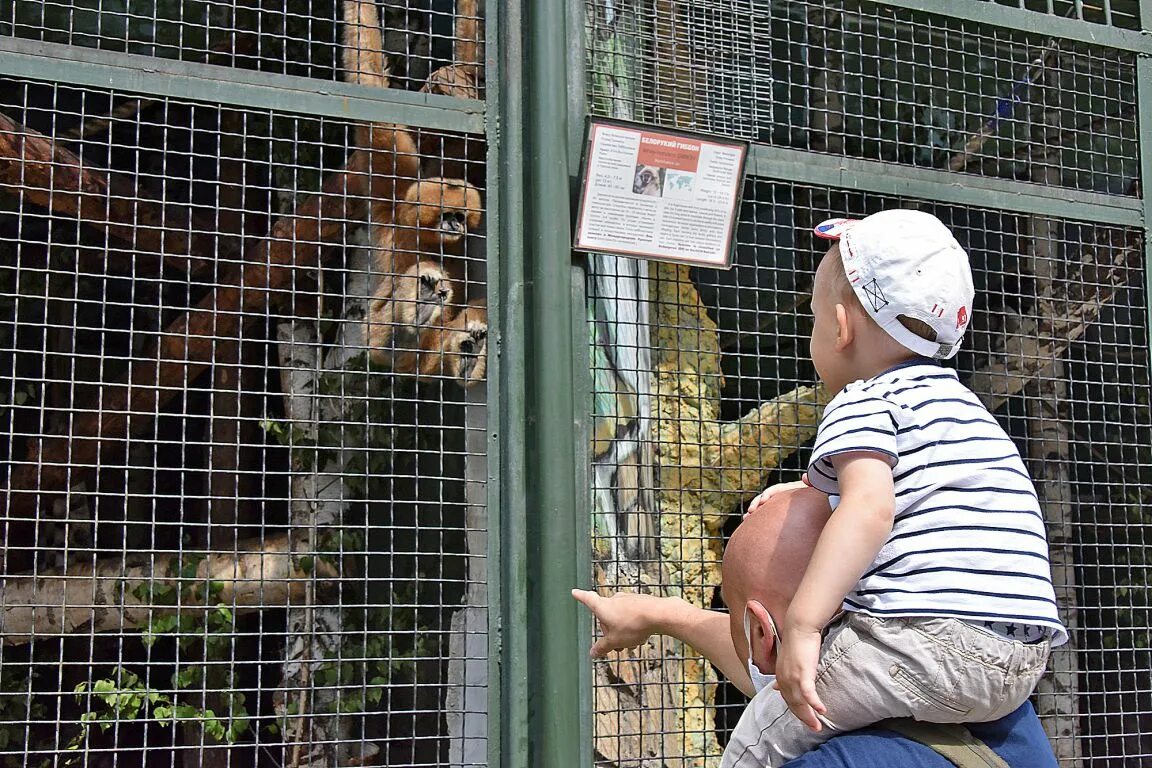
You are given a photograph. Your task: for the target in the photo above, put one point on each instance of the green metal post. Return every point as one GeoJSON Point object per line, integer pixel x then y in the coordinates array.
{"type": "Point", "coordinates": [582, 368]}
{"type": "Point", "coordinates": [507, 512]}
{"type": "Point", "coordinates": [542, 527]}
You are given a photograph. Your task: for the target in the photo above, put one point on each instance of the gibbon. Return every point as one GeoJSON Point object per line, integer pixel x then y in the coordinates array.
{"type": "Point", "coordinates": [648, 180]}
{"type": "Point", "coordinates": [420, 229]}
{"type": "Point", "coordinates": [416, 289]}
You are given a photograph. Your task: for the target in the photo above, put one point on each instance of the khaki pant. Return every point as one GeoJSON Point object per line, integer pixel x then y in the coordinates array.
{"type": "Point", "coordinates": [939, 670]}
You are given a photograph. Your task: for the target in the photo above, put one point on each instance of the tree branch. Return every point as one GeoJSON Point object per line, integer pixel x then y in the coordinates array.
{"type": "Point", "coordinates": [765, 437]}
{"type": "Point", "coordinates": [101, 597]}
{"type": "Point", "coordinates": [42, 171]}
{"type": "Point", "coordinates": [967, 151]}
{"type": "Point", "coordinates": [1089, 284]}
{"type": "Point", "coordinates": [187, 346]}
{"type": "Point", "coordinates": [224, 53]}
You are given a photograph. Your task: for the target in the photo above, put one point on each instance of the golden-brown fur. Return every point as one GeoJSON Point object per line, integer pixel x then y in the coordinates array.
{"type": "Point", "coordinates": [404, 305]}
{"type": "Point", "coordinates": [460, 350]}
{"type": "Point", "coordinates": [420, 228]}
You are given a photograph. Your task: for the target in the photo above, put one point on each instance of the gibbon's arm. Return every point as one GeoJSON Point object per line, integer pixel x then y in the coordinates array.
{"type": "Point", "coordinates": [469, 47]}
{"type": "Point", "coordinates": [392, 158]}
{"type": "Point", "coordinates": [364, 62]}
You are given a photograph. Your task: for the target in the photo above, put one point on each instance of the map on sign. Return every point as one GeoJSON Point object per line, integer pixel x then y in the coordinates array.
{"type": "Point", "coordinates": [659, 194]}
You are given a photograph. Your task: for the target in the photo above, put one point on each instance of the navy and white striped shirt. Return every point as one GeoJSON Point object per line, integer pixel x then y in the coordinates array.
{"type": "Point", "coordinates": [968, 539]}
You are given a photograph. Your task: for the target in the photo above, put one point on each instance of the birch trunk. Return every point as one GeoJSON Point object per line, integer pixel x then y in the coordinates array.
{"type": "Point", "coordinates": [315, 732]}
{"type": "Point", "coordinates": [638, 714]}
{"type": "Point", "coordinates": [466, 703]}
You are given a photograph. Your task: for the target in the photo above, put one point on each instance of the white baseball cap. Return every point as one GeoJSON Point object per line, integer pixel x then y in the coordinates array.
{"type": "Point", "coordinates": [904, 263]}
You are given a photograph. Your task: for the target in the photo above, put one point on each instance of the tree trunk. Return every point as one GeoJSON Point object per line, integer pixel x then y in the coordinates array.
{"type": "Point", "coordinates": [636, 709]}
{"type": "Point", "coordinates": [315, 733]}
{"type": "Point", "coordinates": [1050, 462]}
{"type": "Point", "coordinates": [466, 703]}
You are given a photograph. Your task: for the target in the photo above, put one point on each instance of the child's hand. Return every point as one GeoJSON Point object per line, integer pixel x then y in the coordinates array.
{"type": "Point", "coordinates": [771, 491]}
{"type": "Point", "coordinates": [799, 653]}
{"type": "Point", "coordinates": [626, 618]}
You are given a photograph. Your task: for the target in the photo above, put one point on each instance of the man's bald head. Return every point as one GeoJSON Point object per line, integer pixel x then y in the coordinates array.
{"type": "Point", "coordinates": [768, 553]}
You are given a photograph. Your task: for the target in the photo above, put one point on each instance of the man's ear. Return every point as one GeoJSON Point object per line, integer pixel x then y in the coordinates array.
{"type": "Point", "coordinates": [763, 640]}
{"type": "Point", "coordinates": [844, 328]}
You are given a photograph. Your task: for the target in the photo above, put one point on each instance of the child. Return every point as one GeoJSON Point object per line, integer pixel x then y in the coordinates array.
{"type": "Point", "coordinates": [935, 557]}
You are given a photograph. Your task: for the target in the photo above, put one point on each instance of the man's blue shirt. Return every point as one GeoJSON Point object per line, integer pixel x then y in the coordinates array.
{"type": "Point", "coordinates": [1018, 738]}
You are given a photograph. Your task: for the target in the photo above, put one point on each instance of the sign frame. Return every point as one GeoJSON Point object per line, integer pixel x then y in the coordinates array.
{"type": "Point", "coordinates": [700, 137]}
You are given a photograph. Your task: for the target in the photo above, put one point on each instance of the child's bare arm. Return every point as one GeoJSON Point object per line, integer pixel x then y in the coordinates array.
{"type": "Point", "coordinates": [848, 545]}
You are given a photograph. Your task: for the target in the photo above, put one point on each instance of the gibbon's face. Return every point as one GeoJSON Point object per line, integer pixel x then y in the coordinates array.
{"type": "Point", "coordinates": [454, 224]}
{"type": "Point", "coordinates": [441, 210]}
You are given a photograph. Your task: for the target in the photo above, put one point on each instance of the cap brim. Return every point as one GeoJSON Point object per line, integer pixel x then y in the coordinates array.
{"type": "Point", "coordinates": [834, 229]}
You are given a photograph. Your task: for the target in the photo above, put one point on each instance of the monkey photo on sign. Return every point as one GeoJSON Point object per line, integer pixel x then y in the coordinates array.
{"type": "Point", "coordinates": [649, 180]}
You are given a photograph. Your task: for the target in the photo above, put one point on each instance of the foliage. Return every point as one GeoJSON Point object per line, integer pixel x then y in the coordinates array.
{"type": "Point", "coordinates": [358, 440]}
{"type": "Point", "coordinates": [201, 634]}
{"type": "Point", "coordinates": [18, 709]}
{"type": "Point", "coordinates": [126, 697]}
{"type": "Point", "coordinates": [375, 658]}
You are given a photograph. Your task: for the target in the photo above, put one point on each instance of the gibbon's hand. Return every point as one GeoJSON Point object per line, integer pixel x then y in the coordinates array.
{"type": "Point", "coordinates": [771, 491]}
{"type": "Point", "coordinates": [627, 619]}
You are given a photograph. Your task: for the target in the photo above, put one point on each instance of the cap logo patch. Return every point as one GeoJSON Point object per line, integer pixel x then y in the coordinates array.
{"type": "Point", "coordinates": [961, 317]}
{"type": "Point", "coordinates": [832, 229]}
{"type": "Point", "coordinates": [875, 296]}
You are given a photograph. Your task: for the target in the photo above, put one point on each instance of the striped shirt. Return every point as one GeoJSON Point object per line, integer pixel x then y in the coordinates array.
{"type": "Point", "coordinates": [968, 539]}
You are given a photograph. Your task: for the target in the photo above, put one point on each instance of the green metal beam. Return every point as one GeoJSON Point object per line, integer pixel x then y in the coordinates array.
{"type": "Point", "coordinates": [943, 186]}
{"type": "Point", "coordinates": [542, 529]}
{"type": "Point", "coordinates": [150, 76]}
{"type": "Point", "coordinates": [991, 14]}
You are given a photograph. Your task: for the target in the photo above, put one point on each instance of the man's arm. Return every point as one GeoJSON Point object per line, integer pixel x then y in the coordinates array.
{"type": "Point", "coordinates": [629, 619]}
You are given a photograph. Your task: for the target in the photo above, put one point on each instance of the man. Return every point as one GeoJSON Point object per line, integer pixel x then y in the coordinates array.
{"type": "Point", "coordinates": [763, 564]}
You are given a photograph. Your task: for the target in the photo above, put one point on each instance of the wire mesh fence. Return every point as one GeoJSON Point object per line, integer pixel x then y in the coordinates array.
{"type": "Point", "coordinates": [709, 387]}
{"type": "Point", "coordinates": [291, 38]}
{"type": "Point", "coordinates": [703, 391]}
{"type": "Point", "coordinates": [244, 353]}
{"type": "Point", "coordinates": [1124, 14]}
{"type": "Point", "coordinates": [871, 81]}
